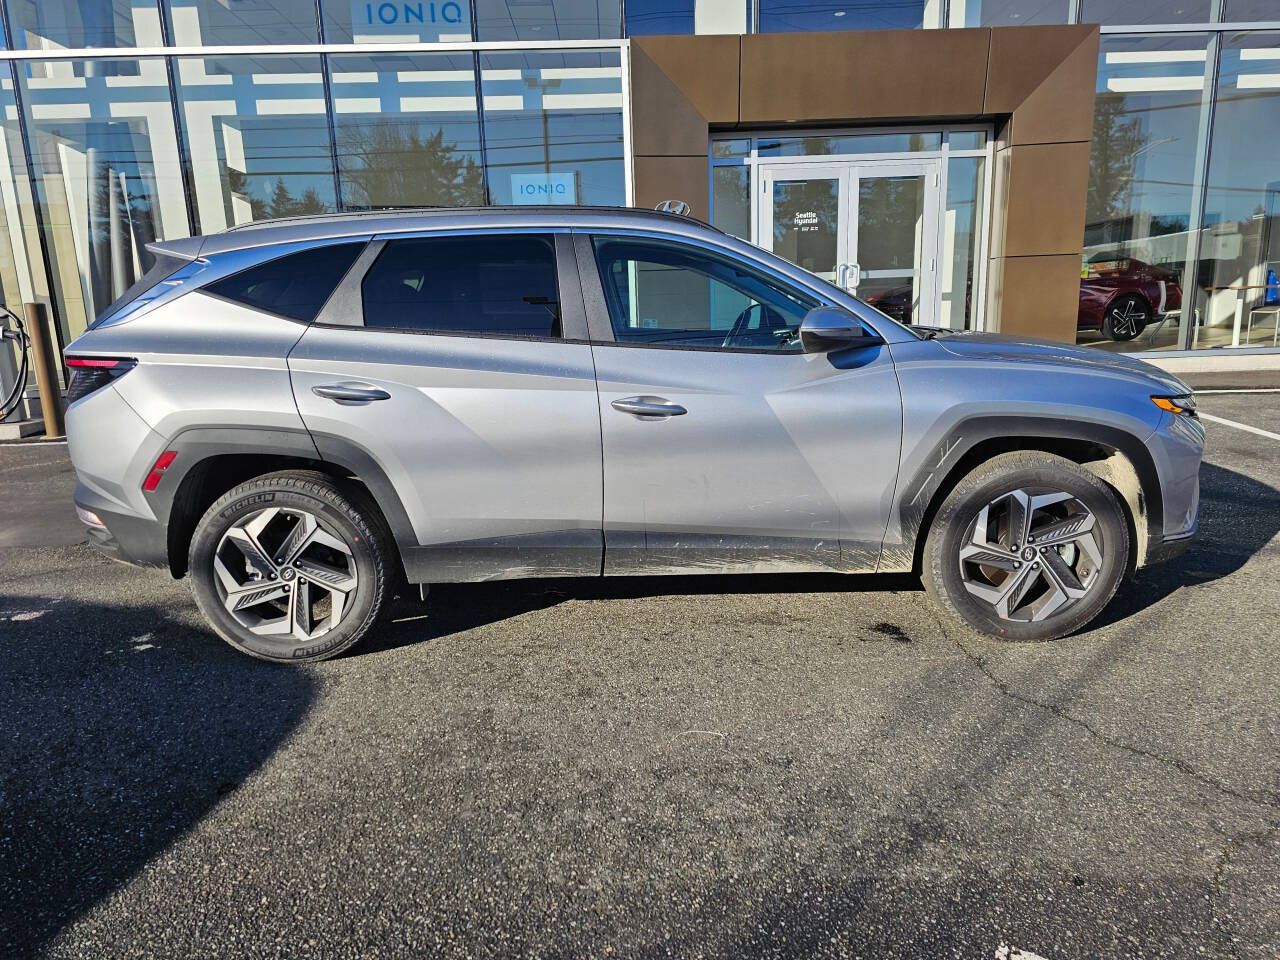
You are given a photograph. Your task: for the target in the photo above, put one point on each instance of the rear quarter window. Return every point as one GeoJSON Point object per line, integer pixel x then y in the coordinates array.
{"type": "Point", "coordinates": [295, 285]}
{"type": "Point", "coordinates": [163, 267]}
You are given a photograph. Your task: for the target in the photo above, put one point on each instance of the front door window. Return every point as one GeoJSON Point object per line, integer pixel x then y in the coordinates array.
{"type": "Point", "coordinates": [670, 294]}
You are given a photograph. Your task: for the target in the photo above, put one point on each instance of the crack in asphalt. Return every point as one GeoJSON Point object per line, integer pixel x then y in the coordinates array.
{"type": "Point", "coordinates": [1220, 873]}
{"type": "Point", "coordinates": [1181, 766]}
{"type": "Point", "coordinates": [1267, 800]}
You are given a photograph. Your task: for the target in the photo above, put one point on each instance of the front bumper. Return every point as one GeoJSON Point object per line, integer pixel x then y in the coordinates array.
{"type": "Point", "coordinates": [1170, 547]}
{"type": "Point", "coordinates": [1177, 451]}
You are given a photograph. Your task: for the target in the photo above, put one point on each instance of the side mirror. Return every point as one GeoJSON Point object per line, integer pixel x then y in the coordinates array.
{"type": "Point", "coordinates": [830, 328]}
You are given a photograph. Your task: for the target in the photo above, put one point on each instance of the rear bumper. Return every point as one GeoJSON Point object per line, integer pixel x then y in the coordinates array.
{"type": "Point", "coordinates": [125, 538]}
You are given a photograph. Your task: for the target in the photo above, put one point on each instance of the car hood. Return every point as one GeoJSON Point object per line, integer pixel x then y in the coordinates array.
{"type": "Point", "coordinates": [998, 348]}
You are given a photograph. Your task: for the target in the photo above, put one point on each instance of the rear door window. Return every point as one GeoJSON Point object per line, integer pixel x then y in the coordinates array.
{"type": "Point", "coordinates": [490, 285]}
{"type": "Point", "coordinates": [295, 285]}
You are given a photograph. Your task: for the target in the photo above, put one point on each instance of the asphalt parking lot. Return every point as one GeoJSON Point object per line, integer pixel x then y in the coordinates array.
{"type": "Point", "coordinates": [794, 766]}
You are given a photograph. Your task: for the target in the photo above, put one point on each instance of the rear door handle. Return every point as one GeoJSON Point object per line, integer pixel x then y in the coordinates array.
{"type": "Point", "coordinates": [350, 394]}
{"type": "Point", "coordinates": [649, 408]}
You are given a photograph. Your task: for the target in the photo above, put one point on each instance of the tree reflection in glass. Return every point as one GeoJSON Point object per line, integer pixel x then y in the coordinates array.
{"type": "Point", "coordinates": [391, 164]}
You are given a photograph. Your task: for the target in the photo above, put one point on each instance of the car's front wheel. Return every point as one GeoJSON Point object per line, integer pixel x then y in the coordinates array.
{"type": "Point", "coordinates": [1125, 317]}
{"type": "Point", "coordinates": [1029, 546]}
{"type": "Point", "coordinates": [289, 567]}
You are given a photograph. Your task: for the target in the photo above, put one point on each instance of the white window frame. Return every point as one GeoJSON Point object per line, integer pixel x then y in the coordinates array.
{"type": "Point", "coordinates": [753, 161]}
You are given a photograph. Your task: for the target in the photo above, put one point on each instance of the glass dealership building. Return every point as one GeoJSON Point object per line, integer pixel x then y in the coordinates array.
{"type": "Point", "coordinates": [1097, 170]}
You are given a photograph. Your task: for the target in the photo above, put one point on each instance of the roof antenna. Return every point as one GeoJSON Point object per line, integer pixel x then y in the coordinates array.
{"type": "Point", "coordinates": [677, 207]}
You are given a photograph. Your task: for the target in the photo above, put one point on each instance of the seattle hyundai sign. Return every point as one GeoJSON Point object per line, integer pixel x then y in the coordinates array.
{"type": "Point", "coordinates": [540, 188]}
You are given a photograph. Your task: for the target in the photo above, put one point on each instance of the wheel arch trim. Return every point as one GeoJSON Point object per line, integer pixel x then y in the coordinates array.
{"type": "Point", "coordinates": [919, 497]}
{"type": "Point", "coordinates": [199, 447]}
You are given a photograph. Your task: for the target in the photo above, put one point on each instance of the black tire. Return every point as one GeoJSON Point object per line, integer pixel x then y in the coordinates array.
{"type": "Point", "coordinates": [943, 571]}
{"type": "Point", "coordinates": [345, 512]}
{"type": "Point", "coordinates": [1126, 317]}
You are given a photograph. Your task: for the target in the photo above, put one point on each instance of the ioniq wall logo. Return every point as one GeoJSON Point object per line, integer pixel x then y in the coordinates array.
{"type": "Point", "coordinates": [540, 188]}
{"type": "Point", "coordinates": [418, 21]}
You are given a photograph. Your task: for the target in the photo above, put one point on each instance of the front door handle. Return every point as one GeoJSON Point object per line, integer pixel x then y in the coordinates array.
{"type": "Point", "coordinates": [649, 408]}
{"type": "Point", "coordinates": [350, 394]}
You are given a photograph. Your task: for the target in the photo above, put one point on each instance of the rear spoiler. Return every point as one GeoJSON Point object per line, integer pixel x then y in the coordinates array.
{"type": "Point", "coordinates": [186, 248]}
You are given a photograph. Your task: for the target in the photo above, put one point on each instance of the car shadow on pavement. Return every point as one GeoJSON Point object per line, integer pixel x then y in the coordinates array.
{"type": "Point", "coordinates": [1239, 516]}
{"type": "Point", "coordinates": [456, 607]}
{"type": "Point", "coordinates": [122, 730]}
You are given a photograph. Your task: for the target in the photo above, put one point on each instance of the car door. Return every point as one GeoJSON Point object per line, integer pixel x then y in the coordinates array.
{"type": "Point", "coordinates": [459, 364]}
{"type": "Point", "coordinates": [726, 447]}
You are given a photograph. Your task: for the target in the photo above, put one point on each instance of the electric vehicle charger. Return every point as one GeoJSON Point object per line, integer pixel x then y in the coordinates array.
{"type": "Point", "coordinates": [15, 330]}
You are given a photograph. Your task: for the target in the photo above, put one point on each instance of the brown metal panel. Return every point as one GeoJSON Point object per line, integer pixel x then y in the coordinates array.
{"type": "Point", "coordinates": [1036, 296]}
{"type": "Point", "coordinates": [1045, 77]}
{"type": "Point", "coordinates": [1047, 189]}
{"type": "Point", "coordinates": [663, 120]}
{"type": "Point", "coordinates": [673, 178]}
{"type": "Point", "coordinates": [704, 69]}
{"type": "Point", "coordinates": [1035, 83]}
{"type": "Point", "coordinates": [839, 77]}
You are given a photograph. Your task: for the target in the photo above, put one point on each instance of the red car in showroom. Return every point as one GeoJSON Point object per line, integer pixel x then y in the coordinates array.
{"type": "Point", "coordinates": [1119, 296]}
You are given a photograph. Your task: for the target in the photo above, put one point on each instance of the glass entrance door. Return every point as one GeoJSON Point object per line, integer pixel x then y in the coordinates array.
{"type": "Point", "coordinates": [805, 216]}
{"type": "Point", "coordinates": [870, 226]}
{"type": "Point", "coordinates": [895, 239]}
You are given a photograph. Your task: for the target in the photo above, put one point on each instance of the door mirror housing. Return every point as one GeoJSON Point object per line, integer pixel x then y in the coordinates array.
{"type": "Point", "coordinates": [831, 328]}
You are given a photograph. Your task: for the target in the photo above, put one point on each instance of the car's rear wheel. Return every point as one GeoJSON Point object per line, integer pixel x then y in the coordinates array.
{"type": "Point", "coordinates": [1125, 317]}
{"type": "Point", "coordinates": [1029, 546]}
{"type": "Point", "coordinates": [289, 567]}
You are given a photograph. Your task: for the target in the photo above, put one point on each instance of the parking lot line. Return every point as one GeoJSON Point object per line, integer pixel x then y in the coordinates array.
{"type": "Point", "coordinates": [1239, 426]}
{"type": "Point", "coordinates": [1239, 390]}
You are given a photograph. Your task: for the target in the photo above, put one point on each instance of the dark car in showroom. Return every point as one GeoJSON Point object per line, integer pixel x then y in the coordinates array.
{"type": "Point", "coordinates": [1119, 296]}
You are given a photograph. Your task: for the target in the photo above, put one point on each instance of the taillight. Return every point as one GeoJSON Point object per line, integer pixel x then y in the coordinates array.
{"type": "Point", "coordinates": [93, 373]}
{"type": "Point", "coordinates": [157, 470]}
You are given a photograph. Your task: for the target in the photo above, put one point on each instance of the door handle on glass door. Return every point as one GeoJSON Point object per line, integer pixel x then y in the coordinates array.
{"type": "Point", "coordinates": [350, 394]}
{"type": "Point", "coordinates": [649, 408]}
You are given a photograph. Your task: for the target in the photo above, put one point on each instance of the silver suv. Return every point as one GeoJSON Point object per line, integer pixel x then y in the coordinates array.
{"type": "Point", "coordinates": [306, 415]}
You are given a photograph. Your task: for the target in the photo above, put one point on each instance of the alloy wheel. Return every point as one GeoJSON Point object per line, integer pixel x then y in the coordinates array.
{"type": "Point", "coordinates": [1125, 317]}
{"type": "Point", "coordinates": [1031, 554]}
{"type": "Point", "coordinates": [283, 573]}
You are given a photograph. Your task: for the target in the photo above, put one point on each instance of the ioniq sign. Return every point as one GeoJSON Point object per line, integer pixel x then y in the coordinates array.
{"type": "Point", "coordinates": [542, 188]}
{"type": "Point", "coordinates": [421, 21]}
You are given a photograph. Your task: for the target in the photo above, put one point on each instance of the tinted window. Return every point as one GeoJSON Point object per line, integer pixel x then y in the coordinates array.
{"type": "Point", "coordinates": [668, 293]}
{"type": "Point", "coordinates": [503, 285]}
{"type": "Point", "coordinates": [294, 286]}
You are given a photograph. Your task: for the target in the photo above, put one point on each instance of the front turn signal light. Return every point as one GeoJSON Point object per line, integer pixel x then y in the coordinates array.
{"type": "Point", "coordinates": [1185, 404]}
